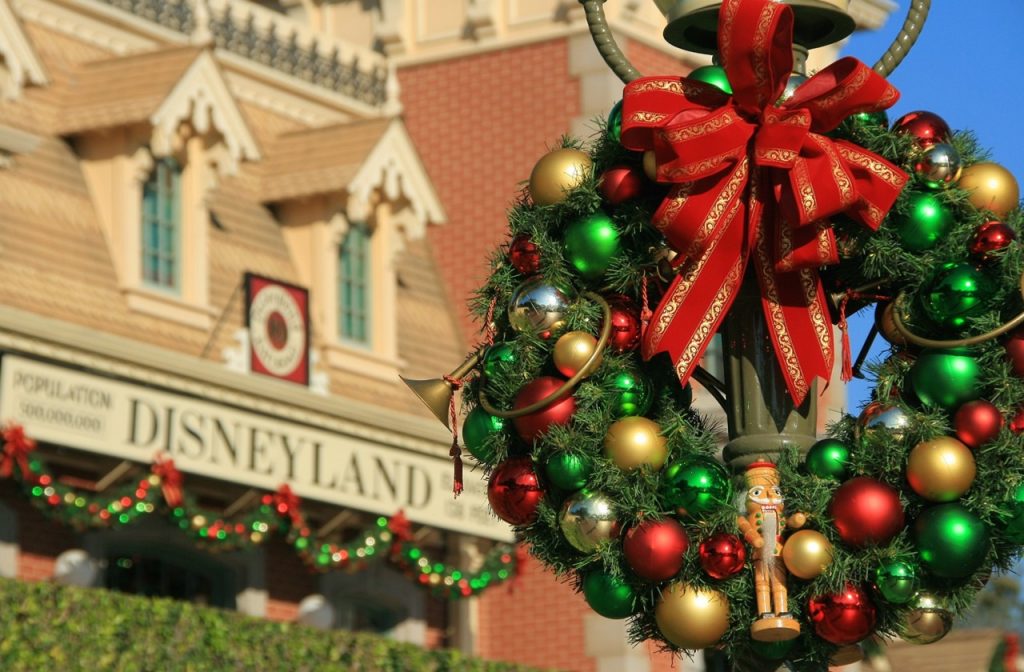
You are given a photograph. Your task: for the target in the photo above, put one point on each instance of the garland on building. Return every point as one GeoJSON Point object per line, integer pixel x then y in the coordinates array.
{"type": "Point", "coordinates": [893, 523]}
{"type": "Point", "coordinates": [279, 513]}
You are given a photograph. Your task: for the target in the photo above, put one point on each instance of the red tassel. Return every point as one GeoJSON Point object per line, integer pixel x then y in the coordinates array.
{"type": "Point", "coordinates": [847, 373]}
{"type": "Point", "coordinates": [455, 452]}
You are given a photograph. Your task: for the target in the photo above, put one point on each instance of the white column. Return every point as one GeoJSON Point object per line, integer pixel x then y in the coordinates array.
{"type": "Point", "coordinates": [607, 642]}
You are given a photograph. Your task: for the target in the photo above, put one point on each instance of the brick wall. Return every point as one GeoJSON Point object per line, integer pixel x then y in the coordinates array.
{"type": "Point", "coordinates": [650, 61]}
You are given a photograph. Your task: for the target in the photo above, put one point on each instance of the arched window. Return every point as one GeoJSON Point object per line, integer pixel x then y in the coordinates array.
{"type": "Point", "coordinates": [161, 226]}
{"type": "Point", "coordinates": [354, 272]}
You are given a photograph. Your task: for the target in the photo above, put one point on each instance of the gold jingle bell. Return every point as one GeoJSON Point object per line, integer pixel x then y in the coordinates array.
{"type": "Point", "coordinates": [572, 352]}
{"type": "Point", "coordinates": [692, 618]}
{"type": "Point", "coordinates": [807, 553]}
{"type": "Point", "coordinates": [635, 441]}
{"type": "Point", "coordinates": [991, 187]}
{"type": "Point", "coordinates": [557, 173]}
{"type": "Point", "coordinates": [941, 469]}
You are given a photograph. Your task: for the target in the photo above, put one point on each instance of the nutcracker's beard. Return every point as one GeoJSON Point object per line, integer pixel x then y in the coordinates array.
{"type": "Point", "coordinates": [770, 534]}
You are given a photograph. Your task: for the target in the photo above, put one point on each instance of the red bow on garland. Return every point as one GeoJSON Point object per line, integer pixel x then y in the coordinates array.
{"type": "Point", "coordinates": [756, 181]}
{"type": "Point", "coordinates": [17, 446]}
{"type": "Point", "coordinates": [287, 502]}
{"type": "Point", "coordinates": [171, 480]}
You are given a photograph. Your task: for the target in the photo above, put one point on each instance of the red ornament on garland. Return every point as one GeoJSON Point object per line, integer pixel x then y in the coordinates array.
{"type": "Point", "coordinates": [977, 422]}
{"type": "Point", "coordinates": [928, 127]}
{"type": "Point", "coordinates": [722, 555]}
{"type": "Point", "coordinates": [620, 184]}
{"type": "Point", "coordinates": [1017, 424]}
{"type": "Point", "coordinates": [654, 549]}
{"type": "Point", "coordinates": [866, 511]}
{"type": "Point", "coordinates": [514, 491]}
{"type": "Point", "coordinates": [1015, 349]}
{"type": "Point", "coordinates": [533, 425]}
{"type": "Point", "coordinates": [988, 239]}
{"type": "Point", "coordinates": [625, 324]}
{"type": "Point", "coordinates": [843, 618]}
{"type": "Point", "coordinates": [524, 255]}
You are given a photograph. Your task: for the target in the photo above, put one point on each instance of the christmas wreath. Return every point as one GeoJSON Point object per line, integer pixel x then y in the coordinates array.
{"type": "Point", "coordinates": [624, 257]}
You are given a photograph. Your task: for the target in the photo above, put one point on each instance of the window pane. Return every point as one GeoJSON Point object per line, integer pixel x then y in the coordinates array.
{"type": "Point", "coordinates": [353, 290]}
{"type": "Point", "coordinates": [161, 222]}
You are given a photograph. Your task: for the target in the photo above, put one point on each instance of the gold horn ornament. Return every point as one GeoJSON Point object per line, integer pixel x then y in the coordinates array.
{"type": "Point", "coordinates": [436, 393]}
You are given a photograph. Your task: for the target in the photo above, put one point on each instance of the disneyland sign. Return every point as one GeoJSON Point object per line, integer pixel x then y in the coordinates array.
{"type": "Point", "coordinates": [96, 414]}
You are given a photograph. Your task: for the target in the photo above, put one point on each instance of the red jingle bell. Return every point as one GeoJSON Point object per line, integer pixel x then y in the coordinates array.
{"type": "Point", "coordinates": [625, 324]}
{"type": "Point", "coordinates": [722, 555]}
{"type": "Point", "coordinates": [843, 618]}
{"type": "Point", "coordinates": [524, 255]}
{"type": "Point", "coordinates": [866, 511]}
{"type": "Point", "coordinates": [514, 491]}
{"type": "Point", "coordinates": [534, 425]}
{"type": "Point", "coordinates": [1017, 424]}
{"type": "Point", "coordinates": [977, 422]}
{"type": "Point", "coordinates": [928, 127]}
{"type": "Point", "coordinates": [988, 239]}
{"type": "Point", "coordinates": [654, 549]}
{"type": "Point", "coordinates": [620, 184]}
{"type": "Point", "coordinates": [1015, 349]}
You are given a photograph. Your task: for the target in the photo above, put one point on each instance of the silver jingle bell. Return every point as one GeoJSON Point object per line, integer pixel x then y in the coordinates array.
{"type": "Point", "coordinates": [878, 416]}
{"type": "Point", "coordinates": [587, 519]}
{"type": "Point", "coordinates": [938, 166]}
{"type": "Point", "coordinates": [928, 621]}
{"type": "Point", "coordinates": [537, 307]}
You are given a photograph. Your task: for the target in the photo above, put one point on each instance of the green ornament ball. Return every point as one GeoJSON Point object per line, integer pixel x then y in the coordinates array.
{"type": "Point", "coordinates": [498, 357]}
{"type": "Point", "coordinates": [567, 471]}
{"type": "Point", "coordinates": [608, 596]}
{"type": "Point", "coordinates": [926, 222]}
{"type": "Point", "coordinates": [1013, 516]}
{"type": "Point", "coordinates": [956, 293]}
{"type": "Point", "coordinates": [773, 650]}
{"type": "Point", "coordinates": [879, 118]}
{"type": "Point", "coordinates": [713, 75]}
{"type": "Point", "coordinates": [951, 541]}
{"type": "Point", "coordinates": [591, 243]}
{"type": "Point", "coordinates": [897, 581]}
{"type": "Point", "coordinates": [945, 378]}
{"type": "Point", "coordinates": [478, 427]}
{"type": "Point", "coordinates": [829, 458]}
{"type": "Point", "coordinates": [632, 394]}
{"type": "Point", "coordinates": [614, 126]}
{"type": "Point", "coordinates": [697, 487]}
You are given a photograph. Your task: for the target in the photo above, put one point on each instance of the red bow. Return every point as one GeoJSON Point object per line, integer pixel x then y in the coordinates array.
{"type": "Point", "coordinates": [400, 526]}
{"type": "Point", "coordinates": [17, 446]}
{"type": "Point", "coordinates": [171, 480]}
{"type": "Point", "coordinates": [287, 502]}
{"type": "Point", "coordinates": [757, 179]}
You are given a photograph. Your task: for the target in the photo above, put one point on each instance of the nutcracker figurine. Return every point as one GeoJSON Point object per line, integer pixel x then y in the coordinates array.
{"type": "Point", "coordinates": [762, 527]}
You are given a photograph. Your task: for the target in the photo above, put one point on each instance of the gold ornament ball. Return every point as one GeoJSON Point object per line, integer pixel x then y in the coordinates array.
{"type": "Point", "coordinates": [806, 554]}
{"type": "Point", "coordinates": [992, 187]}
{"type": "Point", "coordinates": [651, 165]}
{"type": "Point", "coordinates": [941, 470]}
{"type": "Point", "coordinates": [572, 352]}
{"type": "Point", "coordinates": [635, 441]}
{"type": "Point", "coordinates": [692, 618]}
{"type": "Point", "coordinates": [556, 174]}
{"type": "Point", "coordinates": [928, 621]}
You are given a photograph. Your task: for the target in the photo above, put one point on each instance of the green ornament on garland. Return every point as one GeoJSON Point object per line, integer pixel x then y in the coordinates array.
{"type": "Point", "coordinates": [958, 292]}
{"type": "Point", "coordinates": [952, 541]}
{"type": "Point", "coordinates": [829, 458]}
{"type": "Point", "coordinates": [1013, 516]}
{"type": "Point", "coordinates": [926, 222]}
{"type": "Point", "coordinates": [609, 596]}
{"type": "Point", "coordinates": [633, 394]}
{"type": "Point", "coordinates": [499, 356]}
{"type": "Point", "coordinates": [897, 581]}
{"type": "Point", "coordinates": [567, 470]}
{"type": "Point", "coordinates": [697, 487]}
{"type": "Point", "coordinates": [478, 427]}
{"type": "Point", "coordinates": [614, 127]}
{"type": "Point", "coordinates": [713, 75]}
{"type": "Point", "coordinates": [945, 378]}
{"type": "Point", "coordinates": [591, 243]}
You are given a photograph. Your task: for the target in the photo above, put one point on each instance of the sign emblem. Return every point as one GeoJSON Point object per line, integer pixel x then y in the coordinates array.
{"type": "Point", "coordinates": [277, 315]}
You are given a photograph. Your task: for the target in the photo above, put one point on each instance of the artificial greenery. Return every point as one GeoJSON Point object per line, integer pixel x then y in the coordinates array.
{"type": "Point", "coordinates": [50, 627]}
{"type": "Point", "coordinates": [876, 260]}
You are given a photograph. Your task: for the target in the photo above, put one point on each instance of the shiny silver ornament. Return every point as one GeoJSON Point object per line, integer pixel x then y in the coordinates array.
{"type": "Point", "coordinates": [794, 82]}
{"type": "Point", "coordinates": [878, 416]}
{"type": "Point", "coordinates": [938, 166]}
{"type": "Point", "coordinates": [537, 308]}
{"type": "Point", "coordinates": [587, 519]}
{"type": "Point", "coordinates": [928, 621]}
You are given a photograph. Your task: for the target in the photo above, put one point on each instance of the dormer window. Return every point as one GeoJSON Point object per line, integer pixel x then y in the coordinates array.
{"type": "Point", "coordinates": [161, 226]}
{"type": "Point", "coordinates": [355, 268]}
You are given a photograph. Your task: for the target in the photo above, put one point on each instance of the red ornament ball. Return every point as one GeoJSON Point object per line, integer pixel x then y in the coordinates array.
{"type": "Point", "coordinates": [988, 239]}
{"type": "Point", "coordinates": [534, 425]}
{"type": "Point", "coordinates": [1015, 349]}
{"type": "Point", "coordinates": [843, 618]}
{"type": "Point", "coordinates": [1017, 424]}
{"type": "Point", "coordinates": [625, 324]}
{"type": "Point", "coordinates": [654, 549]}
{"type": "Point", "coordinates": [524, 255]}
{"type": "Point", "coordinates": [722, 555]}
{"type": "Point", "coordinates": [514, 491]}
{"type": "Point", "coordinates": [977, 422]}
{"type": "Point", "coordinates": [866, 511]}
{"type": "Point", "coordinates": [928, 127]}
{"type": "Point", "coordinates": [621, 183]}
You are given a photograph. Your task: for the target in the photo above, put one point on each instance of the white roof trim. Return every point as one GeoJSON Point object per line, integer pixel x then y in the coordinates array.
{"type": "Point", "coordinates": [202, 98]}
{"type": "Point", "coordinates": [394, 166]}
{"type": "Point", "coordinates": [25, 67]}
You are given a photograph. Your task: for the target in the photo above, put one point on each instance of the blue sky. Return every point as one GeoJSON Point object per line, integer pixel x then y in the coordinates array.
{"type": "Point", "coordinates": [968, 67]}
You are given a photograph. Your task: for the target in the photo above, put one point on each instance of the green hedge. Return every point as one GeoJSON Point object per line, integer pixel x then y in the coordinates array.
{"type": "Point", "coordinates": [49, 627]}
